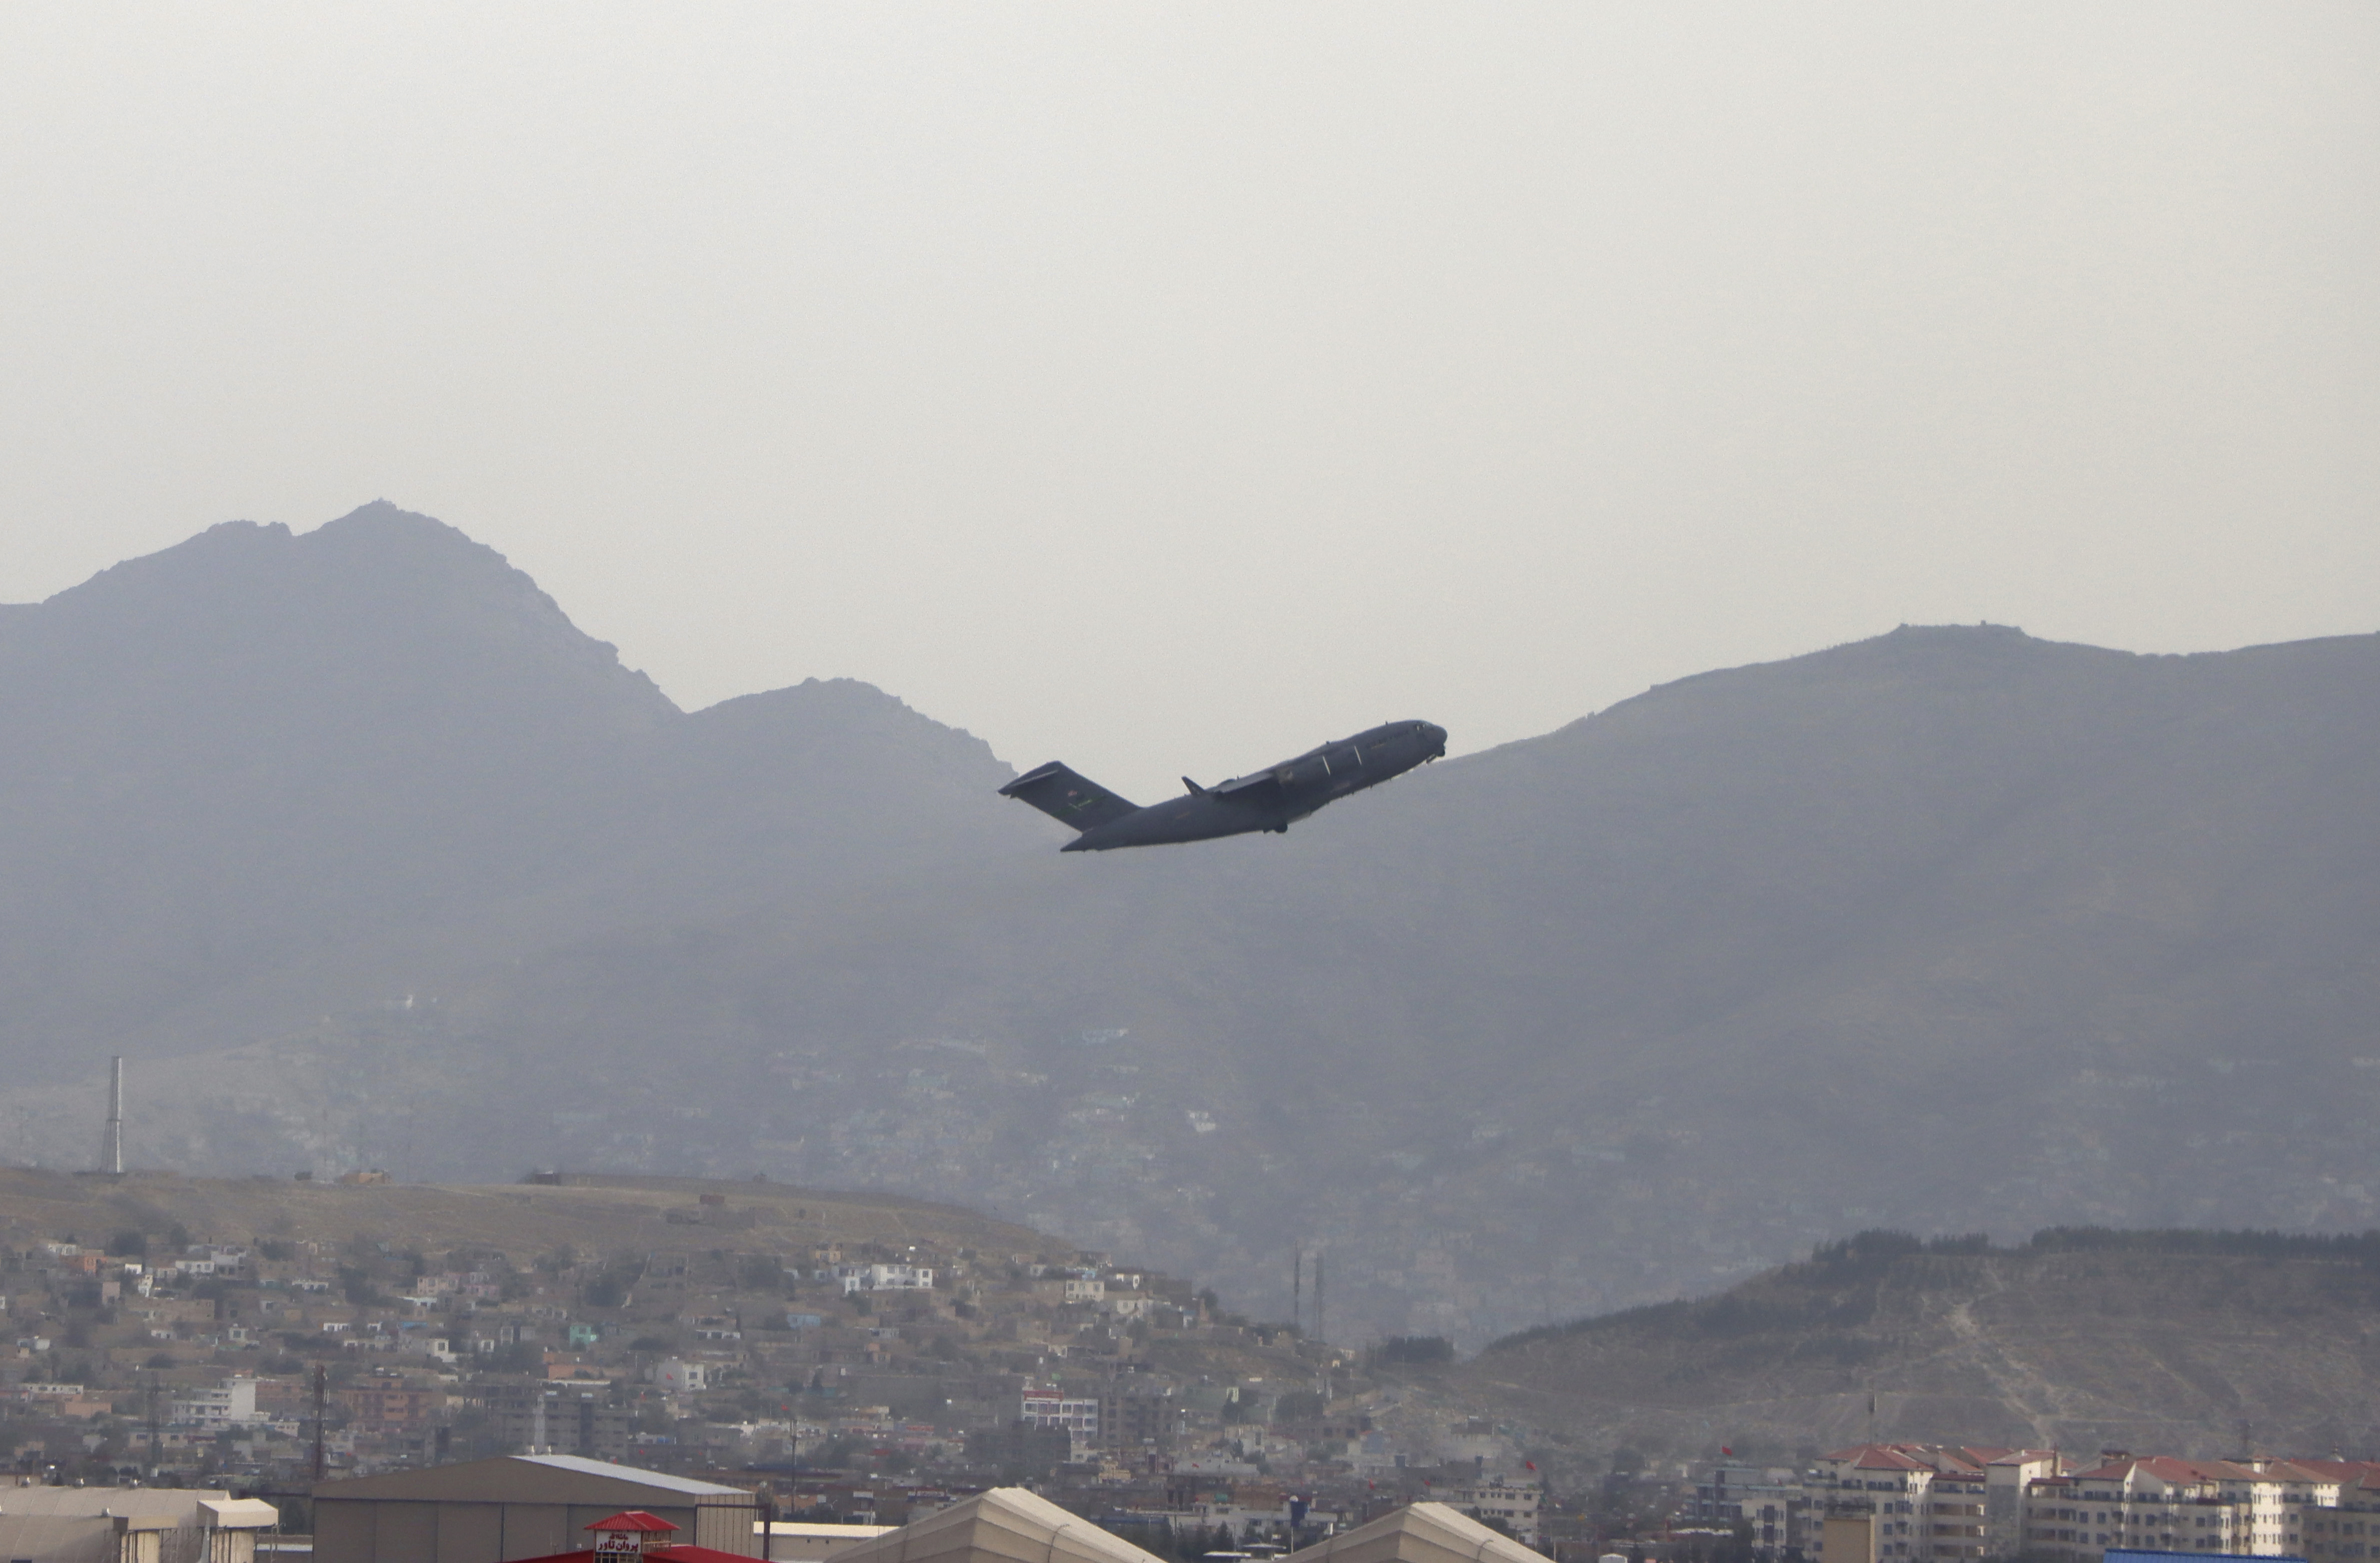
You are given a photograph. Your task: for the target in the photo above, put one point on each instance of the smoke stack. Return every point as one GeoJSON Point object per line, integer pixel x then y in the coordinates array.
{"type": "Point", "coordinates": [111, 1145]}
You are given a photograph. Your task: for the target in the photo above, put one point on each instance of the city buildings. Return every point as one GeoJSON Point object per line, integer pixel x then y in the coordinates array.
{"type": "Point", "coordinates": [1933, 1504]}
{"type": "Point", "coordinates": [46, 1524]}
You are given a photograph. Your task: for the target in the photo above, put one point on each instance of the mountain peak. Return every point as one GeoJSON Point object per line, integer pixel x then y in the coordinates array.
{"type": "Point", "coordinates": [259, 746]}
{"type": "Point", "coordinates": [247, 637]}
{"type": "Point", "coordinates": [383, 525]}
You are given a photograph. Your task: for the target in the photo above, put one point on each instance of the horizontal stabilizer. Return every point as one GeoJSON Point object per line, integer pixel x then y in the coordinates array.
{"type": "Point", "coordinates": [1070, 799]}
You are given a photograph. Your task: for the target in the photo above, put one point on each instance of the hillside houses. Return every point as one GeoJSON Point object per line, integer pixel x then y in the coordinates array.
{"type": "Point", "coordinates": [203, 1353]}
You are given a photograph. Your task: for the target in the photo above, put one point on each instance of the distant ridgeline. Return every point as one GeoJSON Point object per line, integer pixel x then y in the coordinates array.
{"type": "Point", "coordinates": [1839, 1283]}
{"type": "Point", "coordinates": [1666, 941]}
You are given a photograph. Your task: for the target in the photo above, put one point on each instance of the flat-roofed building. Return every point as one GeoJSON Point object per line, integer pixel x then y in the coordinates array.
{"type": "Point", "coordinates": [41, 1524]}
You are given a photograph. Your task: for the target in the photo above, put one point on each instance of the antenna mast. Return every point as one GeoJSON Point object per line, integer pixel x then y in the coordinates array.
{"type": "Point", "coordinates": [111, 1143]}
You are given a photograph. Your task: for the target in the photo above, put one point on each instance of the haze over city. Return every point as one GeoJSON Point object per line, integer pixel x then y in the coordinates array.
{"type": "Point", "coordinates": [1168, 387]}
{"type": "Point", "coordinates": [916, 784]}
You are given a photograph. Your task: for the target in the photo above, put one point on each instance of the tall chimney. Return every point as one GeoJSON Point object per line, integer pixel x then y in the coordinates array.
{"type": "Point", "coordinates": [111, 1145]}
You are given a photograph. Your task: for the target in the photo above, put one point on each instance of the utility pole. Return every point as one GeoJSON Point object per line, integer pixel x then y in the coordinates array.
{"type": "Point", "coordinates": [321, 1383]}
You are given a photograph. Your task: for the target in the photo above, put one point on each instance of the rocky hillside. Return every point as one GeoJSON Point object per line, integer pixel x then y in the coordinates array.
{"type": "Point", "coordinates": [367, 857]}
{"type": "Point", "coordinates": [2173, 1341]}
{"type": "Point", "coordinates": [261, 773]}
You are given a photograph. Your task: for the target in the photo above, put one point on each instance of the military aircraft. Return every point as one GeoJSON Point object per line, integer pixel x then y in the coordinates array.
{"type": "Point", "coordinates": [1271, 799]}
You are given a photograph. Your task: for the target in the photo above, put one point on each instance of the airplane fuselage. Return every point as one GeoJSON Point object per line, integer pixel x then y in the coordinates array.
{"type": "Point", "coordinates": [1271, 799]}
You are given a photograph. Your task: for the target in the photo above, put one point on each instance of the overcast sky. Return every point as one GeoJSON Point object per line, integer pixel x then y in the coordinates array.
{"type": "Point", "coordinates": [1169, 388]}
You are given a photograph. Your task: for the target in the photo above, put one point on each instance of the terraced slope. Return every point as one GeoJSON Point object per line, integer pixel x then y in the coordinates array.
{"type": "Point", "coordinates": [2168, 1341]}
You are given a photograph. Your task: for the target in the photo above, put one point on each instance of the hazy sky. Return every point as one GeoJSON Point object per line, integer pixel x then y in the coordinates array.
{"type": "Point", "coordinates": [1169, 388]}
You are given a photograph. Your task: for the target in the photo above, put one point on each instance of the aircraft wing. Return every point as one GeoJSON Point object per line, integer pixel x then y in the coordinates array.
{"type": "Point", "coordinates": [1262, 787]}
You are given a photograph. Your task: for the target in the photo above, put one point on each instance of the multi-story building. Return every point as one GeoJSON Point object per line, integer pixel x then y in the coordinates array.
{"type": "Point", "coordinates": [1772, 1500]}
{"type": "Point", "coordinates": [1924, 1503]}
{"type": "Point", "coordinates": [1079, 1419]}
{"type": "Point", "coordinates": [561, 1419]}
{"type": "Point", "coordinates": [2348, 1530]}
{"type": "Point", "coordinates": [231, 1404]}
{"type": "Point", "coordinates": [2252, 1507]}
{"type": "Point", "coordinates": [1884, 1503]}
{"type": "Point", "coordinates": [1512, 1504]}
{"type": "Point", "coordinates": [2007, 1479]}
{"type": "Point", "coordinates": [386, 1403]}
{"type": "Point", "coordinates": [884, 1278]}
{"type": "Point", "coordinates": [1952, 1513]}
{"type": "Point", "coordinates": [2273, 1493]}
{"type": "Point", "coordinates": [1138, 1421]}
{"type": "Point", "coordinates": [678, 1376]}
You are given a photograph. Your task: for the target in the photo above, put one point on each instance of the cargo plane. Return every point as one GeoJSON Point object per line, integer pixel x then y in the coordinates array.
{"type": "Point", "coordinates": [1270, 799]}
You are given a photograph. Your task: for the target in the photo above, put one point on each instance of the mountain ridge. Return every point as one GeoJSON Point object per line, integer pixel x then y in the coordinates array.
{"type": "Point", "coordinates": [1952, 928]}
{"type": "Point", "coordinates": [307, 742]}
{"type": "Point", "coordinates": [2091, 1338]}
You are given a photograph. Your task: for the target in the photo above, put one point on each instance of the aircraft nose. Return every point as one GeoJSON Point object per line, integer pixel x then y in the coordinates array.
{"type": "Point", "coordinates": [1436, 737]}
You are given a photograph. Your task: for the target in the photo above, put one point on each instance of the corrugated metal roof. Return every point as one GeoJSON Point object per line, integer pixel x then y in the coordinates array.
{"type": "Point", "coordinates": [586, 1467]}
{"type": "Point", "coordinates": [545, 1479]}
{"type": "Point", "coordinates": [179, 1503]}
{"type": "Point", "coordinates": [58, 1538]}
{"type": "Point", "coordinates": [631, 1520]}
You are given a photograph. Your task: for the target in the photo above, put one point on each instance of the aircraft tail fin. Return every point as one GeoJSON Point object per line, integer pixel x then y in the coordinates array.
{"type": "Point", "coordinates": [1068, 799]}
